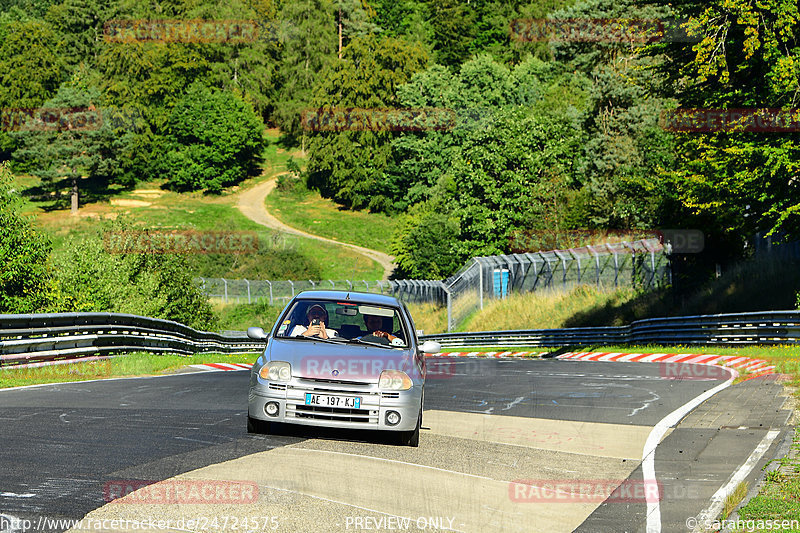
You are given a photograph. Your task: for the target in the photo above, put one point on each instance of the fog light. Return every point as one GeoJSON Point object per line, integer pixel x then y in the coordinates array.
{"type": "Point", "coordinates": [392, 418]}
{"type": "Point", "coordinates": [272, 409]}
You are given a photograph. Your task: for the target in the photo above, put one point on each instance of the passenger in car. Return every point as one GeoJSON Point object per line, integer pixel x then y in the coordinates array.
{"type": "Point", "coordinates": [316, 324]}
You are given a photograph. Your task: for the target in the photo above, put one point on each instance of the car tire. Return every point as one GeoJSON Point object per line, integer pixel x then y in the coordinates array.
{"type": "Point", "coordinates": [411, 438]}
{"type": "Point", "coordinates": [254, 425]}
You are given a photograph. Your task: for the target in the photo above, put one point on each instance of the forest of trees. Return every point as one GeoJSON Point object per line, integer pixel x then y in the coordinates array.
{"type": "Point", "coordinates": [542, 135]}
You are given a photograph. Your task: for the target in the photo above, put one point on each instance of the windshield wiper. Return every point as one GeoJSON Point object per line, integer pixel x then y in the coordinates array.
{"type": "Point", "coordinates": [357, 340]}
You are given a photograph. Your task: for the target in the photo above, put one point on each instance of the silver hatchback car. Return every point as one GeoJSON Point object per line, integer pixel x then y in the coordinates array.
{"type": "Point", "coordinates": [344, 360]}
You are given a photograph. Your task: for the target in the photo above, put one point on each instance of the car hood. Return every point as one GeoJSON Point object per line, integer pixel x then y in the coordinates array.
{"type": "Point", "coordinates": [347, 362]}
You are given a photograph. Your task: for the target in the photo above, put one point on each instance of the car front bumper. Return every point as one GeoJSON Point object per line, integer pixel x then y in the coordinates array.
{"type": "Point", "coordinates": [375, 404]}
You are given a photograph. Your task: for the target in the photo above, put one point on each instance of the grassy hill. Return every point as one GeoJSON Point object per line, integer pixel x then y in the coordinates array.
{"type": "Point", "coordinates": [280, 256]}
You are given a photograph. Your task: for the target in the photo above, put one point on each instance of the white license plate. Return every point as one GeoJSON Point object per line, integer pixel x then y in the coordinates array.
{"type": "Point", "coordinates": [326, 400]}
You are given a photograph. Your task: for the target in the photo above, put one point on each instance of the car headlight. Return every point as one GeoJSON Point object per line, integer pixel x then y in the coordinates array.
{"type": "Point", "coordinates": [394, 380]}
{"type": "Point", "coordinates": [276, 371]}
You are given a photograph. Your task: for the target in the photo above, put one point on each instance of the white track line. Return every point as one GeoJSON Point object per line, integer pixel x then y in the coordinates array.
{"type": "Point", "coordinates": [649, 453]}
{"type": "Point", "coordinates": [718, 499]}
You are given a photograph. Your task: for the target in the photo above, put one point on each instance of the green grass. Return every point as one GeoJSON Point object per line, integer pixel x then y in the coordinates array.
{"type": "Point", "coordinates": [129, 365]}
{"type": "Point", "coordinates": [544, 310]}
{"type": "Point", "coordinates": [239, 317]}
{"type": "Point", "coordinates": [281, 256]}
{"type": "Point", "coordinates": [734, 498]}
{"type": "Point", "coordinates": [428, 317]}
{"type": "Point", "coordinates": [779, 497]}
{"type": "Point", "coordinates": [307, 210]}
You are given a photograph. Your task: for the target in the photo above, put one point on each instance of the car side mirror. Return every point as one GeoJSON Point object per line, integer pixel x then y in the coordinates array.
{"type": "Point", "coordinates": [256, 333]}
{"type": "Point", "coordinates": [430, 347]}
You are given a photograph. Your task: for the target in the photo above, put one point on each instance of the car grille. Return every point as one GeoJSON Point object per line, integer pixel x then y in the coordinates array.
{"type": "Point", "coordinates": [367, 415]}
{"type": "Point", "coordinates": [322, 382]}
{"type": "Point", "coordinates": [332, 413]}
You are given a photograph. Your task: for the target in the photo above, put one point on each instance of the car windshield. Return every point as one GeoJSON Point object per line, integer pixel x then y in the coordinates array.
{"type": "Point", "coordinates": [344, 321]}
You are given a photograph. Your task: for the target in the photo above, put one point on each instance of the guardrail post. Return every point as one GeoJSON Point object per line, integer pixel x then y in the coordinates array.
{"type": "Point", "coordinates": [270, 291]}
{"type": "Point", "coordinates": [226, 289]}
{"type": "Point", "coordinates": [248, 290]}
{"type": "Point", "coordinates": [291, 283]}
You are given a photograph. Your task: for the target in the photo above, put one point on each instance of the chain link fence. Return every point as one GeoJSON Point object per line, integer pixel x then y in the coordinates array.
{"type": "Point", "coordinates": [278, 292]}
{"type": "Point", "coordinates": [642, 264]}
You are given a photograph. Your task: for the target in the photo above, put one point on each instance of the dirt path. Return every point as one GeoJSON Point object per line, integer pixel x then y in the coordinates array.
{"type": "Point", "coordinates": [251, 204]}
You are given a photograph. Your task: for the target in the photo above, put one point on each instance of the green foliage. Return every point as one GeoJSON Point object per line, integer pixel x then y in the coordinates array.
{"type": "Point", "coordinates": [510, 176]}
{"type": "Point", "coordinates": [507, 164]}
{"type": "Point", "coordinates": [748, 55]}
{"type": "Point", "coordinates": [626, 150]}
{"type": "Point", "coordinates": [215, 140]}
{"type": "Point", "coordinates": [25, 272]}
{"type": "Point", "coordinates": [239, 317]}
{"type": "Point", "coordinates": [453, 30]}
{"type": "Point", "coordinates": [89, 278]}
{"type": "Point", "coordinates": [79, 24]}
{"type": "Point", "coordinates": [31, 64]}
{"type": "Point", "coordinates": [248, 68]}
{"type": "Point", "coordinates": [31, 67]}
{"type": "Point", "coordinates": [424, 242]}
{"type": "Point", "coordinates": [309, 46]}
{"type": "Point", "coordinates": [272, 261]}
{"type": "Point", "coordinates": [347, 166]}
{"type": "Point", "coordinates": [471, 97]}
{"type": "Point", "coordinates": [70, 154]}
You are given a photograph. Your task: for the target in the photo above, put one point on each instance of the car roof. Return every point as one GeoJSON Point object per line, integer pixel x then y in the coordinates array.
{"type": "Point", "coordinates": [353, 296]}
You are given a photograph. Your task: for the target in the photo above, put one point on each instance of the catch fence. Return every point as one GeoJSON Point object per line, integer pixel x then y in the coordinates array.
{"type": "Point", "coordinates": [642, 264]}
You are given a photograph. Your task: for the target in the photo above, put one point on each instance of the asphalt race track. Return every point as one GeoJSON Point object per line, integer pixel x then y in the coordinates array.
{"type": "Point", "coordinates": [507, 445]}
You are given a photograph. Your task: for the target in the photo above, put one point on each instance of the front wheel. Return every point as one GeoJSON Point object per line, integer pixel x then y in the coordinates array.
{"type": "Point", "coordinates": [254, 425]}
{"type": "Point", "coordinates": [411, 438]}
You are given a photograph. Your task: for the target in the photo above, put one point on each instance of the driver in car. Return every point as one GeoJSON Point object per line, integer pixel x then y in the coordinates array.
{"type": "Point", "coordinates": [317, 320]}
{"type": "Point", "coordinates": [374, 324]}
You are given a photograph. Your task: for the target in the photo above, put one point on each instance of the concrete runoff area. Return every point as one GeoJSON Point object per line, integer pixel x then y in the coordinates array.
{"type": "Point", "coordinates": [325, 485]}
{"type": "Point", "coordinates": [621, 441]}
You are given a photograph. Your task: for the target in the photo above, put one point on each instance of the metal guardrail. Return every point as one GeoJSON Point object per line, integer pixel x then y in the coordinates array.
{"type": "Point", "coordinates": [39, 338]}
{"type": "Point", "coordinates": [770, 327]}
{"type": "Point", "coordinates": [49, 338]}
